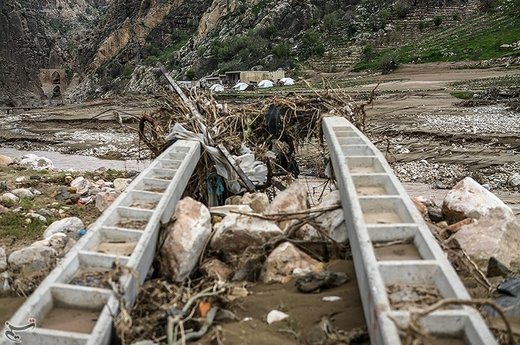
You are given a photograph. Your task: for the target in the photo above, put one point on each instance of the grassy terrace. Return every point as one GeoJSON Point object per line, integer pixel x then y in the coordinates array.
{"type": "Point", "coordinates": [478, 38]}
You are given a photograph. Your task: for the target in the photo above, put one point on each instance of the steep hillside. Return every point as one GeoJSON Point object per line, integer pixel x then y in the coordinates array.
{"type": "Point", "coordinates": [38, 35]}
{"type": "Point", "coordinates": [63, 50]}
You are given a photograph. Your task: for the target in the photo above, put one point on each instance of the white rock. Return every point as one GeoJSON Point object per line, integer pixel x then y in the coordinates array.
{"type": "Point", "coordinates": [35, 162]}
{"type": "Point", "coordinates": [333, 221]}
{"type": "Point", "coordinates": [9, 198]}
{"type": "Point", "coordinates": [491, 236]}
{"type": "Point", "coordinates": [257, 201]}
{"type": "Point", "coordinates": [331, 298]}
{"type": "Point", "coordinates": [38, 217]}
{"type": "Point", "coordinates": [105, 199]}
{"type": "Point", "coordinates": [23, 193]}
{"type": "Point", "coordinates": [5, 160]}
{"type": "Point", "coordinates": [185, 238]}
{"type": "Point", "coordinates": [276, 316]}
{"type": "Point", "coordinates": [468, 199]}
{"type": "Point", "coordinates": [284, 260]}
{"type": "Point", "coordinates": [229, 209]}
{"type": "Point", "coordinates": [514, 180]}
{"type": "Point", "coordinates": [120, 184]}
{"type": "Point", "coordinates": [31, 259]}
{"type": "Point", "coordinates": [81, 184]}
{"type": "Point", "coordinates": [235, 233]}
{"type": "Point", "coordinates": [3, 260]}
{"type": "Point", "coordinates": [69, 226]}
{"type": "Point", "coordinates": [57, 240]}
{"type": "Point", "coordinates": [292, 199]}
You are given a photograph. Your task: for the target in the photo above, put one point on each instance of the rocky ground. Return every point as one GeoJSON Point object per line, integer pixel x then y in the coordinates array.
{"type": "Point", "coordinates": [450, 152]}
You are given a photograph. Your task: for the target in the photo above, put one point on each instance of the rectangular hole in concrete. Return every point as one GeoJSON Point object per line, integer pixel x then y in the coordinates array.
{"type": "Point", "coordinates": [93, 270]}
{"type": "Point", "coordinates": [141, 199]}
{"type": "Point", "coordinates": [399, 243]}
{"type": "Point", "coordinates": [357, 150]}
{"type": "Point", "coordinates": [182, 149]}
{"type": "Point", "coordinates": [129, 218]}
{"type": "Point", "coordinates": [344, 131]}
{"type": "Point", "coordinates": [114, 242]}
{"type": "Point", "coordinates": [169, 164]}
{"type": "Point", "coordinates": [175, 156]}
{"type": "Point", "coordinates": [73, 310]}
{"type": "Point", "coordinates": [444, 329]}
{"type": "Point", "coordinates": [369, 185]}
{"type": "Point", "coordinates": [351, 141]}
{"type": "Point", "coordinates": [161, 174]}
{"type": "Point", "coordinates": [152, 185]}
{"type": "Point", "coordinates": [384, 211]}
{"type": "Point", "coordinates": [414, 285]}
{"type": "Point", "coordinates": [364, 165]}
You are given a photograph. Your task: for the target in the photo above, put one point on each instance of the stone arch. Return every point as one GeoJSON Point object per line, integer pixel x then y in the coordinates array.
{"type": "Point", "coordinates": [56, 78]}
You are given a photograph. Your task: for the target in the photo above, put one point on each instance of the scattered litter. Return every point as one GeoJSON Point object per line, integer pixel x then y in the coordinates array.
{"type": "Point", "coordinates": [321, 280]}
{"type": "Point", "coordinates": [276, 316]}
{"type": "Point", "coordinates": [331, 298]}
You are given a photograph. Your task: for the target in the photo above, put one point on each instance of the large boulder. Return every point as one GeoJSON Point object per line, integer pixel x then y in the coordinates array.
{"type": "Point", "coordinates": [333, 221]}
{"type": "Point", "coordinates": [257, 201]}
{"type": "Point", "coordinates": [35, 162]}
{"type": "Point", "coordinates": [32, 259]}
{"type": "Point", "coordinates": [285, 261]}
{"type": "Point", "coordinates": [237, 232]}
{"type": "Point", "coordinates": [70, 226]}
{"type": "Point", "coordinates": [293, 199]}
{"type": "Point", "coordinates": [5, 160]}
{"type": "Point", "coordinates": [9, 199]}
{"type": "Point", "coordinates": [185, 238]}
{"type": "Point", "coordinates": [491, 236]}
{"type": "Point", "coordinates": [3, 260]}
{"type": "Point", "coordinates": [468, 199]}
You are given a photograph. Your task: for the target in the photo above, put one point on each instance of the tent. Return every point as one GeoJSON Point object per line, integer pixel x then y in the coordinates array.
{"type": "Point", "coordinates": [216, 88]}
{"type": "Point", "coordinates": [240, 87]}
{"type": "Point", "coordinates": [264, 84]}
{"type": "Point", "coordinates": [287, 81]}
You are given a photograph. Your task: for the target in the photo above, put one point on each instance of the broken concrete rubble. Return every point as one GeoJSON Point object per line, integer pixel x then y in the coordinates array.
{"type": "Point", "coordinates": [216, 269]}
{"type": "Point", "coordinates": [105, 199]}
{"type": "Point", "coordinates": [235, 233]}
{"type": "Point", "coordinates": [284, 260]}
{"type": "Point", "coordinates": [491, 236]}
{"type": "Point", "coordinates": [293, 199]}
{"type": "Point", "coordinates": [185, 239]}
{"type": "Point", "coordinates": [468, 199]}
{"type": "Point", "coordinates": [334, 221]}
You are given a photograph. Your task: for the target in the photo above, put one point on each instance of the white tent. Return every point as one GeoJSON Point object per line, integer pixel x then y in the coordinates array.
{"type": "Point", "coordinates": [264, 84]}
{"type": "Point", "coordinates": [216, 88]}
{"type": "Point", "coordinates": [240, 87]}
{"type": "Point", "coordinates": [287, 81]}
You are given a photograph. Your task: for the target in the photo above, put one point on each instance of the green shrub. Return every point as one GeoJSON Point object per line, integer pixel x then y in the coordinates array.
{"type": "Point", "coordinates": [311, 44]}
{"type": "Point", "coordinates": [422, 25]}
{"type": "Point", "coordinates": [190, 74]}
{"type": "Point", "coordinates": [330, 22]}
{"type": "Point", "coordinates": [282, 51]}
{"type": "Point", "coordinates": [437, 21]}
{"type": "Point", "coordinates": [388, 64]}
{"type": "Point", "coordinates": [456, 17]}
{"type": "Point", "coordinates": [128, 70]}
{"type": "Point", "coordinates": [488, 5]}
{"type": "Point", "coordinates": [402, 8]}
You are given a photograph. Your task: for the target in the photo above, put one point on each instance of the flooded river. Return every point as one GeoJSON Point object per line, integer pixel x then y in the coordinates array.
{"type": "Point", "coordinates": [79, 162]}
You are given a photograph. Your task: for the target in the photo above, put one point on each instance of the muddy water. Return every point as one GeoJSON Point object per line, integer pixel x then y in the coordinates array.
{"type": "Point", "coordinates": [78, 162]}
{"type": "Point", "coordinates": [8, 306]}
{"type": "Point", "coordinates": [402, 251]}
{"type": "Point", "coordinates": [305, 310]}
{"type": "Point", "coordinates": [70, 320]}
